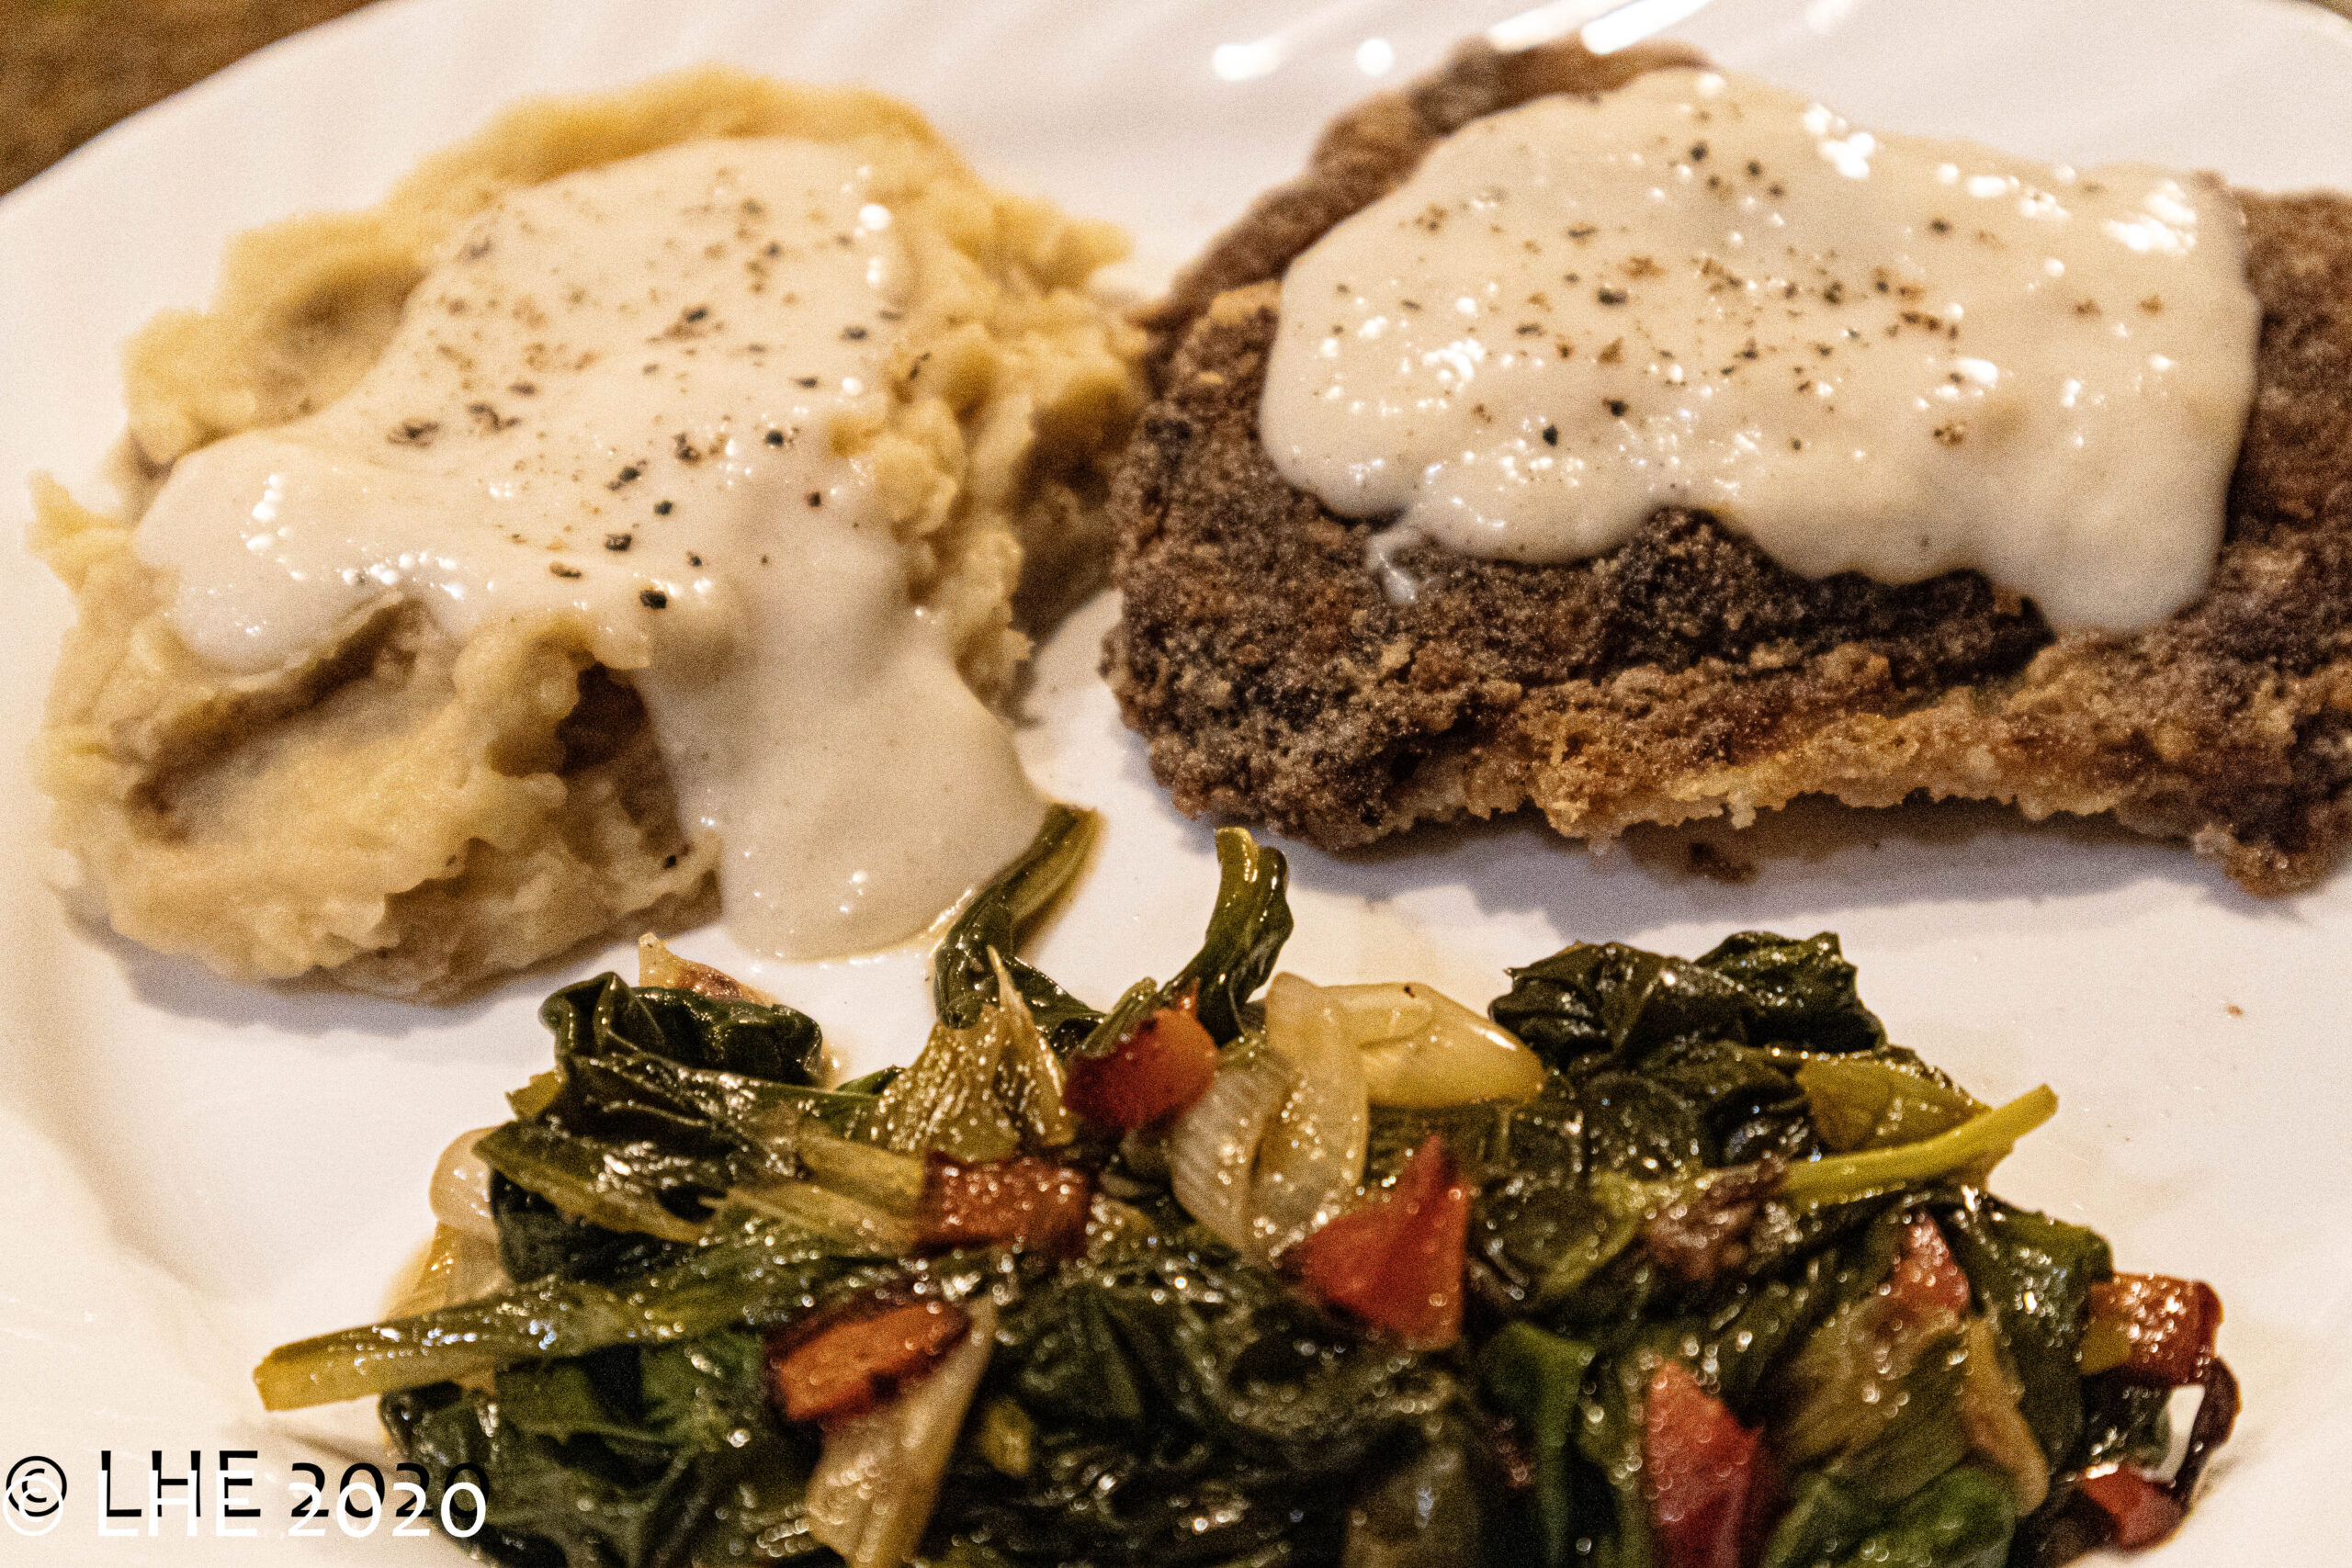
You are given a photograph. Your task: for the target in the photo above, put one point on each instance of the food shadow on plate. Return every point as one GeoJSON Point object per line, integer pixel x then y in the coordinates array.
{"type": "Point", "coordinates": [197, 1092]}
{"type": "Point", "coordinates": [1788, 865]}
{"type": "Point", "coordinates": [314, 1007]}
{"type": "Point", "coordinates": [1814, 855]}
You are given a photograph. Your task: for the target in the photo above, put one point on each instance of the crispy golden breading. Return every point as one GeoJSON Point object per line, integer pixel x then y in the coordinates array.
{"type": "Point", "coordinates": [1685, 675]}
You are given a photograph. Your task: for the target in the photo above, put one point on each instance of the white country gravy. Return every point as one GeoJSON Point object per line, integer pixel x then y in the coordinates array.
{"type": "Point", "coordinates": [612, 401]}
{"type": "Point", "coordinates": [1879, 353]}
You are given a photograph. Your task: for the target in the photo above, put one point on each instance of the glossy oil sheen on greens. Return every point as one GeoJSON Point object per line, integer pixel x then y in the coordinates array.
{"type": "Point", "coordinates": [1165, 1400]}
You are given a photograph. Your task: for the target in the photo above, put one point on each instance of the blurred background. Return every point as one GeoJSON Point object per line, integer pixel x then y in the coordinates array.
{"type": "Point", "coordinates": [71, 68]}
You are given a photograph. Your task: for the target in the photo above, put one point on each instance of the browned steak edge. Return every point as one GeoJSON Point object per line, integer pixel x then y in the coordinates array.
{"type": "Point", "coordinates": [1685, 675]}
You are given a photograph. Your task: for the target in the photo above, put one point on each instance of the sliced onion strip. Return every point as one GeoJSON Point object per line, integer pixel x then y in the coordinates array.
{"type": "Point", "coordinates": [875, 1482]}
{"type": "Point", "coordinates": [460, 1193]}
{"type": "Point", "coordinates": [1450, 1057]}
{"type": "Point", "coordinates": [1212, 1148]}
{"type": "Point", "coordinates": [1312, 1160]}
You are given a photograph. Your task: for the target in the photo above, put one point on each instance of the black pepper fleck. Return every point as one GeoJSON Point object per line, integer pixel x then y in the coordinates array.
{"type": "Point", "coordinates": [775, 437]}
{"type": "Point", "coordinates": [560, 569]}
{"type": "Point", "coordinates": [1610, 295]}
{"type": "Point", "coordinates": [692, 560]}
{"type": "Point", "coordinates": [1551, 435]}
{"type": "Point", "coordinates": [652, 598]}
{"type": "Point", "coordinates": [854, 335]}
{"type": "Point", "coordinates": [1617, 407]}
{"type": "Point", "coordinates": [816, 497]}
{"type": "Point", "coordinates": [619, 541]}
{"type": "Point", "coordinates": [660, 509]}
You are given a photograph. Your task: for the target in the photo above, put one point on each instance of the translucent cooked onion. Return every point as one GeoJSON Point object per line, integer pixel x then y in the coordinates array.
{"type": "Point", "coordinates": [455, 1268]}
{"type": "Point", "coordinates": [1424, 1051]}
{"type": "Point", "coordinates": [875, 1482]}
{"type": "Point", "coordinates": [657, 965]}
{"type": "Point", "coordinates": [1312, 1160]}
{"type": "Point", "coordinates": [1381, 1011]}
{"type": "Point", "coordinates": [460, 1191]}
{"type": "Point", "coordinates": [1212, 1148]}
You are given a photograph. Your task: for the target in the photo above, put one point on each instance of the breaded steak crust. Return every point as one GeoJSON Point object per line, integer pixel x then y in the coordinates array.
{"type": "Point", "coordinates": [1685, 675]}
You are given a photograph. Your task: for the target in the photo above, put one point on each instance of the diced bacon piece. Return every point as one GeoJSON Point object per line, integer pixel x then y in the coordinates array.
{"type": "Point", "coordinates": [1158, 1069]}
{"type": "Point", "coordinates": [1927, 1278]}
{"type": "Point", "coordinates": [847, 1369]}
{"type": "Point", "coordinates": [2153, 1328]}
{"type": "Point", "coordinates": [1397, 1264]}
{"type": "Point", "coordinates": [2139, 1511]}
{"type": "Point", "coordinates": [1708, 1478]}
{"type": "Point", "coordinates": [1028, 1202]}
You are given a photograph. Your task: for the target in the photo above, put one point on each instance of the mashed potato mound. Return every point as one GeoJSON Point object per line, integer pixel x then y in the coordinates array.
{"type": "Point", "coordinates": [416, 815]}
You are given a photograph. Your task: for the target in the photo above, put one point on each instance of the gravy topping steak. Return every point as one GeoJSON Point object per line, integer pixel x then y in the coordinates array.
{"type": "Point", "coordinates": [1877, 354]}
{"type": "Point", "coordinates": [1858, 465]}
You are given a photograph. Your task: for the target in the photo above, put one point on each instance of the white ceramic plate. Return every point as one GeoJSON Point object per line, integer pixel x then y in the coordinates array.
{"type": "Point", "coordinates": [191, 1171]}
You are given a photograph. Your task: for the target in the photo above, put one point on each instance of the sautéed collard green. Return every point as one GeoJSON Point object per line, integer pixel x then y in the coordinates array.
{"type": "Point", "coordinates": [1661, 1263]}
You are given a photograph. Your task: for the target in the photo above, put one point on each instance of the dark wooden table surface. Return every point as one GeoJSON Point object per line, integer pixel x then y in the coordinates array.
{"type": "Point", "coordinates": [71, 68]}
